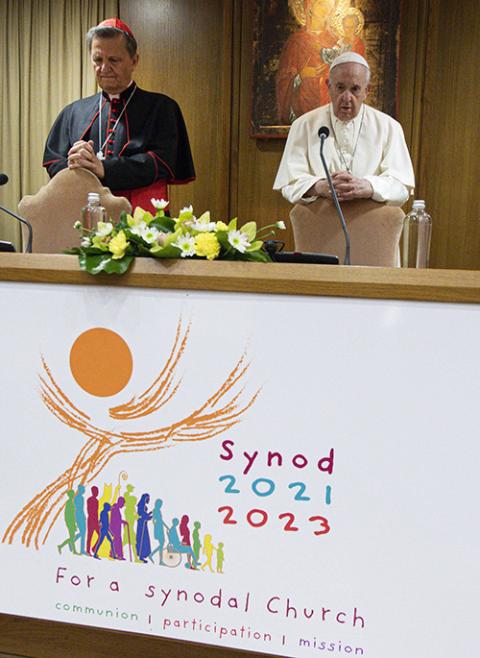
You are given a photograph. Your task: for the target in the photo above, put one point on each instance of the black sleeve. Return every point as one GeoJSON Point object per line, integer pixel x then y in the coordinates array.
{"type": "Point", "coordinates": [58, 144]}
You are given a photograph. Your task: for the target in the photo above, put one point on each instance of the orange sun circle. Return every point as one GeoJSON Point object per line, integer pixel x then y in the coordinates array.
{"type": "Point", "coordinates": [101, 362]}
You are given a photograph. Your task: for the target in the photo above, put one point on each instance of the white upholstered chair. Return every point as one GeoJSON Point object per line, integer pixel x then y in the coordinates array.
{"type": "Point", "coordinates": [54, 209]}
{"type": "Point", "coordinates": [374, 229]}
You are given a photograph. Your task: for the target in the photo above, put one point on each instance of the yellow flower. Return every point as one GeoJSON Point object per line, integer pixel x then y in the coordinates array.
{"type": "Point", "coordinates": [206, 244]}
{"type": "Point", "coordinates": [118, 245]}
{"type": "Point", "coordinates": [221, 226]}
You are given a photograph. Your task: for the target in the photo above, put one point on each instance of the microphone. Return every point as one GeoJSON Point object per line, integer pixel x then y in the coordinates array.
{"type": "Point", "coordinates": [3, 179]}
{"type": "Point", "coordinates": [28, 248]}
{"type": "Point", "coordinates": [323, 133]}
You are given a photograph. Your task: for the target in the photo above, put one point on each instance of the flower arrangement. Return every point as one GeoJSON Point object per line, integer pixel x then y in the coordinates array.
{"type": "Point", "coordinates": [112, 247]}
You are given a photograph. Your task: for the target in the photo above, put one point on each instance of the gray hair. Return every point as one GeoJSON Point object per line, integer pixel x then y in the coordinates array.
{"type": "Point", "coordinates": [107, 32]}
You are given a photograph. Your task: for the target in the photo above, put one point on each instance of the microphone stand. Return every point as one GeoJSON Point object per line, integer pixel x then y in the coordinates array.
{"type": "Point", "coordinates": [28, 248]}
{"type": "Point", "coordinates": [323, 134]}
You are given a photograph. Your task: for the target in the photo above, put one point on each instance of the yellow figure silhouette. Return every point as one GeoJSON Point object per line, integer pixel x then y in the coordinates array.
{"type": "Point", "coordinates": [207, 550]}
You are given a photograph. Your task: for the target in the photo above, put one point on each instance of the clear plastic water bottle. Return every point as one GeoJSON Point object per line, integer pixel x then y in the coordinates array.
{"type": "Point", "coordinates": [417, 233]}
{"type": "Point", "coordinates": [93, 212]}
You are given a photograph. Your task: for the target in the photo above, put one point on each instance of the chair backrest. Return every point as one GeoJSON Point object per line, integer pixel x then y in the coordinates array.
{"type": "Point", "coordinates": [374, 229]}
{"type": "Point", "coordinates": [55, 208]}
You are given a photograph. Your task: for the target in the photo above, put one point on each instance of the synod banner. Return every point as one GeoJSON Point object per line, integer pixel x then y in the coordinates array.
{"type": "Point", "coordinates": [290, 475]}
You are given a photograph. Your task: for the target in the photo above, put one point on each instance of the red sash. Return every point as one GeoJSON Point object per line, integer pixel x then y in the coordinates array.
{"type": "Point", "coordinates": [142, 196]}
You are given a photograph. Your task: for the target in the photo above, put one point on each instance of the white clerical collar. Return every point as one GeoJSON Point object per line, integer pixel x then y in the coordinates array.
{"type": "Point", "coordinates": [113, 96]}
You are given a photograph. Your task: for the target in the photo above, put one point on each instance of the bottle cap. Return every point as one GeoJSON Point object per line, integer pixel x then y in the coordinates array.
{"type": "Point", "coordinates": [93, 196]}
{"type": "Point", "coordinates": [418, 203]}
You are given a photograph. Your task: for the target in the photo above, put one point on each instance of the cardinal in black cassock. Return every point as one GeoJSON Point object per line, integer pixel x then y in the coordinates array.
{"type": "Point", "coordinates": [135, 141]}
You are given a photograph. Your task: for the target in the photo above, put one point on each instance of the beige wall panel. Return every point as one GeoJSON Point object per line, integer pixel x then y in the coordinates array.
{"type": "Point", "coordinates": [411, 70]}
{"type": "Point", "coordinates": [186, 52]}
{"type": "Point", "coordinates": [449, 170]}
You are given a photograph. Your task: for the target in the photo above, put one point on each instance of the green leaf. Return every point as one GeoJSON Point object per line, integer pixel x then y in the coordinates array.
{"type": "Point", "coordinates": [94, 264]}
{"type": "Point", "coordinates": [122, 223]}
{"type": "Point", "coordinates": [257, 256]}
{"type": "Point", "coordinates": [168, 251]}
{"type": "Point", "coordinates": [222, 237]}
{"type": "Point", "coordinates": [164, 224]}
{"type": "Point", "coordinates": [119, 266]}
{"type": "Point", "coordinates": [142, 249]}
{"type": "Point", "coordinates": [92, 250]}
{"type": "Point", "coordinates": [232, 225]}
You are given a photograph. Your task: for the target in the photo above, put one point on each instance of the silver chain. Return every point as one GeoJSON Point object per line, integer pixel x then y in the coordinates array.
{"type": "Point", "coordinates": [100, 155]}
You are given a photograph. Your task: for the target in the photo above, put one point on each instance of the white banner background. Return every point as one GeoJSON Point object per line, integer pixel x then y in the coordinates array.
{"type": "Point", "coordinates": [392, 387]}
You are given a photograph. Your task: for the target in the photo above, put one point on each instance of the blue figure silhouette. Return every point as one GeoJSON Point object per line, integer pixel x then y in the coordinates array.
{"type": "Point", "coordinates": [176, 544]}
{"type": "Point", "coordinates": [81, 518]}
{"type": "Point", "coordinates": [142, 535]}
{"type": "Point", "coordinates": [158, 530]}
{"type": "Point", "coordinates": [104, 531]}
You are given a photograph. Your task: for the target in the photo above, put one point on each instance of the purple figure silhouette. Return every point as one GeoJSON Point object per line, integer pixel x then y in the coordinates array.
{"type": "Point", "coordinates": [142, 534]}
{"type": "Point", "coordinates": [116, 526]}
{"type": "Point", "coordinates": [92, 517]}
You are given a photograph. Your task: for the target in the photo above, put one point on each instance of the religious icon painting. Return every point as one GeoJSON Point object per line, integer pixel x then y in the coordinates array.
{"type": "Point", "coordinates": [295, 41]}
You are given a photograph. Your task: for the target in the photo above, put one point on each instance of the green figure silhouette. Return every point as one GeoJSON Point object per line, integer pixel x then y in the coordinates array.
{"type": "Point", "coordinates": [220, 558]}
{"type": "Point", "coordinates": [197, 544]}
{"type": "Point", "coordinates": [130, 516]}
{"type": "Point", "coordinates": [69, 516]}
{"type": "Point", "coordinates": [208, 549]}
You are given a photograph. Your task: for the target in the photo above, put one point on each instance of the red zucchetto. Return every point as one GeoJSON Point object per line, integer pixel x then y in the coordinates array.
{"type": "Point", "coordinates": [117, 23]}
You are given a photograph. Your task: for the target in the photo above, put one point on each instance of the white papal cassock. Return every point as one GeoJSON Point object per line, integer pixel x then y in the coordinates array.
{"type": "Point", "coordinates": [371, 146]}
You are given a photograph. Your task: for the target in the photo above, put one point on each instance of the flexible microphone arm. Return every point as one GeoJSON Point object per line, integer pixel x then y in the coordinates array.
{"type": "Point", "coordinates": [28, 248]}
{"type": "Point", "coordinates": [323, 133]}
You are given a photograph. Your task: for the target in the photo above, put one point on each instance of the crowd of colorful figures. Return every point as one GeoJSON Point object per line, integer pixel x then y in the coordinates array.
{"type": "Point", "coordinates": [116, 526]}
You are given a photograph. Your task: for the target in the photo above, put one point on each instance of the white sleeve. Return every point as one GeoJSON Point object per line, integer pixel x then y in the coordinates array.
{"type": "Point", "coordinates": [295, 175]}
{"type": "Point", "coordinates": [387, 189]}
{"type": "Point", "coordinates": [395, 181]}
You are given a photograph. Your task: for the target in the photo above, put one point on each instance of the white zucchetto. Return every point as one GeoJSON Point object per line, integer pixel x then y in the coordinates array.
{"type": "Point", "coordinates": [349, 58]}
